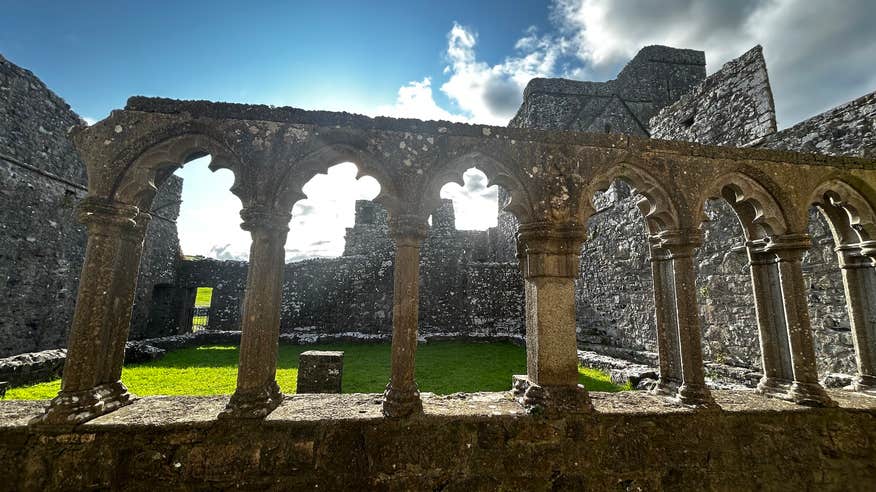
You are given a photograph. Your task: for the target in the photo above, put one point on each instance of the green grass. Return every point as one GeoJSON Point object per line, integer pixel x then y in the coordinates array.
{"type": "Point", "coordinates": [442, 368]}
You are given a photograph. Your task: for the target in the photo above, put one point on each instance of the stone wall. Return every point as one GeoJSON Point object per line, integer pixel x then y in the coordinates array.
{"type": "Point", "coordinates": [41, 242]}
{"type": "Point", "coordinates": [733, 106]}
{"type": "Point", "coordinates": [849, 129]}
{"type": "Point", "coordinates": [655, 77]}
{"type": "Point", "coordinates": [480, 441]}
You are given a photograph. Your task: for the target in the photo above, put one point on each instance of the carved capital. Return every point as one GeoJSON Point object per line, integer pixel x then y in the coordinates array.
{"type": "Point", "coordinates": [868, 248]}
{"type": "Point", "coordinates": [407, 230]}
{"type": "Point", "coordinates": [550, 250]}
{"type": "Point", "coordinates": [854, 256]}
{"type": "Point", "coordinates": [674, 243]}
{"type": "Point", "coordinates": [105, 216]}
{"type": "Point", "coordinates": [260, 219]}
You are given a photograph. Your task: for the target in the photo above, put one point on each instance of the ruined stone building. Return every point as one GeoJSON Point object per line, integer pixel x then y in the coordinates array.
{"type": "Point", "coordinates": [609, 242]}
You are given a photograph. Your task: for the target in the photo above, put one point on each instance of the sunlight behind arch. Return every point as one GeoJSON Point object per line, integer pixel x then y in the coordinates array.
{"type": "Point", "coordinates": [319, 221]}
{"type": "Point", "coordinates": [209, 218]}
{"type": "Point", "coordinates": [475, 204]}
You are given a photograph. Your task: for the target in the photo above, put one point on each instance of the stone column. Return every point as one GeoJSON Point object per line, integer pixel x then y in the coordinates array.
{"type": "Point", "coordinates": [402, 397]}
{"type": "Point", "coordinates": [775, 353]}
{"type": "Point", "coordinates": [257, 392]}
{"type": "Point", "coordinates": [91, 384]}
{"type": "Point", "coordinates": [550, 257]}
{"type": "Point", "coordinates": [805, 389]}
{"type": "Point", "coordinates": [858, 264]}
{"type": "Point", "coordinates": [681, 245]}
{"type": "Point", "coordinates": [665, 320]}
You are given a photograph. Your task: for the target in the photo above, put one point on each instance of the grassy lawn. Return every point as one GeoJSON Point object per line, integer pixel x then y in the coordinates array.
{"type": "Point", "coordinates": [442, 367]}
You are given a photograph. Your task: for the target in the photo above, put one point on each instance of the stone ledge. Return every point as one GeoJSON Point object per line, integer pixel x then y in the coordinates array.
{"type": "Point", "coordinates": [480, 441]}
{"type": "Point", "coordinates": [187, 410]}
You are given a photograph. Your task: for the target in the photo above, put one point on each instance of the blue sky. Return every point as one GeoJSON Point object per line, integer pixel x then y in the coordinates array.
{"type": "Point", "coordinates": [339, 54]}
{"type": "Point", "coordinates": [458, 60]}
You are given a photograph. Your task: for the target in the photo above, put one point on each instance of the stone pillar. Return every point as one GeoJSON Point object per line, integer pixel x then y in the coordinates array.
{"type": "Point", "coordinates": [257, 392]}
{"type": "Point", "coordinates": [778, 373]}
{"type": "Point", "coordinates": [549, 260]}
{"type": "Point", "coordinates": [858, 264]}
{"type": "Point", "coordinates": [789, 249]}
{"type": "Point", "coordinates": [679, 287]}
{"type": "Point", "coordinates": [91, 384]}
{"type": "Point", "coordinates": [666, 322]}
{"type": "Point", "coordinates": [402, 397]}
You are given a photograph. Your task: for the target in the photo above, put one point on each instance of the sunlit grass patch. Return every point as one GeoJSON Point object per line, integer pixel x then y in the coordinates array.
{"type": "Point", "coordinates": [442, 368]}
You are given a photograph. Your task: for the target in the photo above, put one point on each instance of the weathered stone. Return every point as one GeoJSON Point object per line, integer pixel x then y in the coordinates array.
{"type": "Point", "coordinates": [42, 245]}
{"type": "Point", "coordinates": [733, 106]}
{"type": "Point", "coordinates": [320, 371]}
{"type": "Point", "coordinates": [481, 441]}
{"type": "Point", "coordinates": [139, 352]}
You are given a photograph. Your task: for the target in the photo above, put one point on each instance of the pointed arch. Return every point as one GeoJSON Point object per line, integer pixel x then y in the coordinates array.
{"type": "Point", "coordinates": [497, 173]}
{"type": "Point", "coordinates": [658, 207]}
{"type": "Point", "coordinates": [142, 176]}
{"type": "Point", "coordinates": [326, 155]}
{"type": "Point", "coordinates": [850, 215]}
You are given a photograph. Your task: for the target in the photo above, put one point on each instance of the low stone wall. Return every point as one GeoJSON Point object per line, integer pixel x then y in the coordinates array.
{"type": "Point", "coordinates": [467, 442]}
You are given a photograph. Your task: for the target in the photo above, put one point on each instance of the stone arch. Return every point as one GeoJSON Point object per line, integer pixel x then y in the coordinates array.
{"type": "Point", "coordinates": [497, 174]}
{"type": "Point", "coordinates": [320, 160]}
{"type": "Point", "coordinates": [850, 215]}
{"type": "Point", "coordinates": [758, 210]}
{"type": "Point", "coordinates": [149, 162]}
{"type": "Point", "coordinates": [658, 208]}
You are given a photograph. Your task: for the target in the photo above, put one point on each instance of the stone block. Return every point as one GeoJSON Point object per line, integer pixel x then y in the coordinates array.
{"type": "Point", "coordinates": [320, 371]}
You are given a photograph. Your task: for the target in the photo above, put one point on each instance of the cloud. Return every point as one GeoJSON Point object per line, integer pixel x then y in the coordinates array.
{"type": "Point", "coordinates": [225, 253]}
{"type": "Point", "coordinates": [491, 94]}
{"type": "Point", "coordinates": [479, 92]}
{"type": "Point", "coordinates": [475, 205]}
{"type": "Point", "coordinates": [415, 100]}
{"type": "Point", "coordinates": [88, 120]}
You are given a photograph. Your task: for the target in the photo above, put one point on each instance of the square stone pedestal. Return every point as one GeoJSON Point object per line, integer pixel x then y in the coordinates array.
{"type": "Point", "coordinates": [320, 371]}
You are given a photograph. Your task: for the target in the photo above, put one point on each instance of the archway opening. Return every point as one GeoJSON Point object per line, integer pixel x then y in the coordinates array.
{"type": "Point", "coordinates": [614, 290]}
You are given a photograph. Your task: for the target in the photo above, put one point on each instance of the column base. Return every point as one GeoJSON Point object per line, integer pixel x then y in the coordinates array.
{"type": "Point", "coordinates": [695, 396]}
{"type": "Point", "coordinates": [865, 384]}
{"type": "Point", "coordinates": [665, 387]}
{"type": "Point", "coordinates": [551, 401]}
{"type": "Point", "coordinates": [400, 403]}
{"type": "Point", "coordinates": [810, 394]}
{"type": "Point", "coordinates": [75, 407]}
{"type": "Point", "coordinates": [253, 404]}
{"type": "Point", "coordinates": [773, 387]}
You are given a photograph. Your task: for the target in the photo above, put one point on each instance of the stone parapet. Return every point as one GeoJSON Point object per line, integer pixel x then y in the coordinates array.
{"type": "Point", "coordinates": [480, 441]}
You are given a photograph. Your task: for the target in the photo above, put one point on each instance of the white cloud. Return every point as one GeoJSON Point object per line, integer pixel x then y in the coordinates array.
{"type": "Point", "coordinates": [319, 221]}
{"type": "Point", "coordinates": [475, 205]}
{"type": "Point", "coordinates": [88, 120]}
{"type": "Point", "coordinates": [415, 100]}
{"type": "Point", "coordinates": [491, 94]}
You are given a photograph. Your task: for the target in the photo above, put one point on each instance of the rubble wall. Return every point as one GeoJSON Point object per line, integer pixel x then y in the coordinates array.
{"type": "Point", "coordinates": [41, 242]}
{"type": "Point", "coordinates": [481, 441]}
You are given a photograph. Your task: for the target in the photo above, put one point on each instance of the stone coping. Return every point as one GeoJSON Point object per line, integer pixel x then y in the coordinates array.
{"type": "Point", "coordinates": [336, 119]}
{"type": "Point", "coordinates": [171, 411]}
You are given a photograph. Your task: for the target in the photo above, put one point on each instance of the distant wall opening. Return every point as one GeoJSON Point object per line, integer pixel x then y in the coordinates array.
{"type": "Point", "coordinates": [201, 308]}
